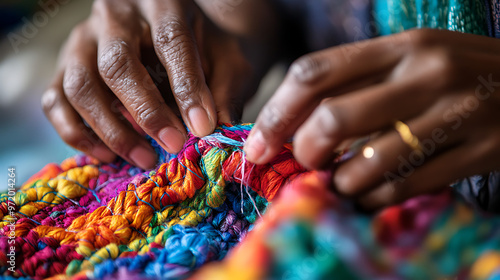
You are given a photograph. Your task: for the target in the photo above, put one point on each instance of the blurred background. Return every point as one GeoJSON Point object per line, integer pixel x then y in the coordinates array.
{"type": "Point", "coordinates": [31, 34]}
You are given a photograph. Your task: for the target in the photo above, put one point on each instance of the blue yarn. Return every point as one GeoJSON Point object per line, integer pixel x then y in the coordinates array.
{"type": "Point", "coordinates": [134, 171]}
{"type": "Point", "coordinates": [234, 196]}
{"type": "Point", "coordinates": [218, 218]}
{"type": "Point", "coordinates": [167, 271]}
{"type": "Point", "coordinates": [41, 245]}
{"type": "Point", "coordinates": [496, 275]}
{"type": "Point", "coordinates": [123, 262]}
{"type": "Point", "coordinates": [188, 248]}
{"type": "Point", "coordinates": [185, 249]}
{"type": "Point", "coordinates": [219, 138]}
{"type": "Point", "coordinates": [139, 262]}
{"type": "Point", "coordinates": [105, 268]}
{"type": "Point", "coordinates": [233, 128]}
{"type": "Point", "coordinates": [163, 156]}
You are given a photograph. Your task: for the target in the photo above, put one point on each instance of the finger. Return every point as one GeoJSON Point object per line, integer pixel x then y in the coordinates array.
{"type": "Point", "coordinates": [89, 96]}
{"type": "Point", "coordinates": [176, 48]}
{"type": "Point", "coordinates": [393, 159]}
{"type": "Point", "coordinates": [313, 78]}
{"type": "Point", "coordinates": [69, 124]}
{"type": "Point", "coordinates": [373, 109]}
{"type": "Point", "coordinates": [433, 176]}
{"type": "Point", "coordinates": [355, 115]}
{"type": "Point", "coordinates": [477, 154]}
{"type": "Point", "coordinates": [429, 38]}
{"type": "Point", "coordinates": [121, 69]}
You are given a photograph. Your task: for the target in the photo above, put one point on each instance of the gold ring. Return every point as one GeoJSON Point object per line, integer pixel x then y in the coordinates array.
{"type": "Point", "coordinates": [407, 136]}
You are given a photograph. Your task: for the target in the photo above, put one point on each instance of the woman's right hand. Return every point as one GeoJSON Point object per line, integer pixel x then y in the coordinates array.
{"type": "Point", "coordinates": [103, 79]}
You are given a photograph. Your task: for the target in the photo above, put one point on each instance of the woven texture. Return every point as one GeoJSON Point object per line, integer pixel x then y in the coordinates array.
{"type": "Point", "coordinates": [192, 209]}
{"type": "Point", "coordinates": [82, 219]}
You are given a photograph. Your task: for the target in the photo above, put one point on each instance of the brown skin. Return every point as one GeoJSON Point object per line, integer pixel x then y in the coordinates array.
{"type": "Point", "coordinates": [429, 79]}
{"type": "Point", "coordinates": [435, 81]}
{"type": "Point", "coordinates": [103, 78]}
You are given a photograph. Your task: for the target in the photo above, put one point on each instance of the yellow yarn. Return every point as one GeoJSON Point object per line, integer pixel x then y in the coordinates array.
{"type": "Point", "coordinates": [485, 265]}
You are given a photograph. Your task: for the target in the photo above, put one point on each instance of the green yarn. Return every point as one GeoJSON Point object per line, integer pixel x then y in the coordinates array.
{"type": "Point", "coordinates": [73, 267]}
{"type": "Point", "coordinates": [212, 163]}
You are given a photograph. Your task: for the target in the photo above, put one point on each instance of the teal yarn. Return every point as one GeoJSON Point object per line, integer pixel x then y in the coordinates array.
{"type": "Point", "coordinates": [467, 16]}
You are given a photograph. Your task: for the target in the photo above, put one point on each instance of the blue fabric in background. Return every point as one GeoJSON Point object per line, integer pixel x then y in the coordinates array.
{"type": "Point", "coordinates": [495, 12]}
{"type": "Point", "coordinates": [327, 23]}
{"type": "Point", "coordinates": [482, 191]}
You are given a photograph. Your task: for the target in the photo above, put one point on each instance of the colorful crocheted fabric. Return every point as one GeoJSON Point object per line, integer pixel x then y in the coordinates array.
{"type": "Point", "coordinates": [82, 219]}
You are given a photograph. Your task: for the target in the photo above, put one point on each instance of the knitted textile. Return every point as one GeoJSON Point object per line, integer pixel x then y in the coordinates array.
{"type": "Point", "coordinates": [82, 219]}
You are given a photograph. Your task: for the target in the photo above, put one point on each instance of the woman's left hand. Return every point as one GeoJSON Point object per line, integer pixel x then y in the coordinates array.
{"type": "Point", "coordinates": [445, 85]}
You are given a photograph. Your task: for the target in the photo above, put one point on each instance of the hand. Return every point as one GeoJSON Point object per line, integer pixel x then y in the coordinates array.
{"type": "Point", "coordinates": [107, 74]}
{"type": "Point", "coordinates": [445, 85]}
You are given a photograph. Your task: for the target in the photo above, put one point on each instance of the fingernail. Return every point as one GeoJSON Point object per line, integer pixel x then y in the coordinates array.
{"type": "Point", "coordinates": [255, 147]}
{"type": "Point", "coordinates": [200, 123]}
{"type": "Point", "coordinates": [103, 154]}
{"type": "Point", "coordinates": [144, 158]}
{"type": "Point", "coordinates": [172, 139]}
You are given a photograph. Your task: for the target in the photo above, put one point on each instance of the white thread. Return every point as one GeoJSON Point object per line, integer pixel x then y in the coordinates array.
{"type": "Point", "coordinates": [242, 179]}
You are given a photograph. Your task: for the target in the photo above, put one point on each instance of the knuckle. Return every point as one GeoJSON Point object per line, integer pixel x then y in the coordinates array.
{"type": "Point", "coordinates": [77, 84]}
{"type": "Point", "coordinates": [78, 35]}
{"type": "Point", "coordinates": [99, 5]}
{"type": "Point", "coordinates": [184, 85]}
{"type": "Point", "coordinates": [102, 7]}
{"type": "Point", "coordinates": [80, 31]}
{"type": "Point", "coordinates": [309, 68]}
{"type": "Point", "coordinates": [443, 64]}
{"type": "Point", "coordinates": [422, 38]}
{"type": "Point", "coordinates": [329, 121]}
{"type": "Point", "coordinates": [49, 100]}
{"type": "Point", "coordinates": [171, 33]}
{"type": "Point", "coordinates": [73, 137]}
{"type": "Point", "coordinates": [113, 62]}
{"type": "Point", "coordinates": [112, 11]}
{"type": "Point", "coordinates": [390, 198]}
{"type": "Point", "coordinates": [276, 119]}
{"type": "Point", "coordinates": [148, 115]}
{"type": "Point", "coordinates": [344, 184]}
{"type": "Point", "coordinates": [307, 157]}
{"type": "Point", "coordinates": [396, 191]}
{"type": "Point", "coordinates": [173, 39]}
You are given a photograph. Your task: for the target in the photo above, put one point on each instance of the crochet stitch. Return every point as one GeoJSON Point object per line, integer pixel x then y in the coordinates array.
{"type": "Point", "coordinates": [73, 217]}
{"type": "Point", "coordinates": [83, 219]}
